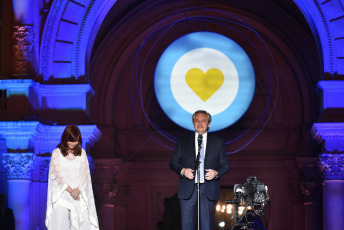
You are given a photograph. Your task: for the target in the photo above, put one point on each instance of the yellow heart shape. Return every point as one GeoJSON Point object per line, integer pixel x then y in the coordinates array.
{"type": "Point", "coordinates": [204, 85]}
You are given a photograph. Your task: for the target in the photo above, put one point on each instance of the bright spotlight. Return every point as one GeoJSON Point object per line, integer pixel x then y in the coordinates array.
{"type": "Point", "coordinates": [222, 224]}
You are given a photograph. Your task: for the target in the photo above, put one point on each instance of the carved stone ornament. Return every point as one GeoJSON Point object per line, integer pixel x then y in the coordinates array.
{"type": "Point", "coordinates": [332, 166]}
{"type": "Point", "coordinates": [23, 40]}
{"type": "Point", "coordinates": [44, 169]}
{"type": "Point", "coordinates": [18, 165]}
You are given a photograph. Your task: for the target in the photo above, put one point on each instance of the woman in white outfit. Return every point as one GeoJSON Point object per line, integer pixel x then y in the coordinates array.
{"type": "Point", "coordinates": [70, 203]}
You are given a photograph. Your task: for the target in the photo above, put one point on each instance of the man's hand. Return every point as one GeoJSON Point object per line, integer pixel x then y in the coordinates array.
{"type": "Point", "coordinates": [188, 173]}
{"type": "Point", "coordinates": [210, 174]}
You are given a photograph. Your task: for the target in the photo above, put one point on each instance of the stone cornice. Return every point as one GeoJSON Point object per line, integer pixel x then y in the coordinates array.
{"type": "Point", "coordinates": [330, 133]}
{"type": "Point", "coordinates": [63, 90]}
{"type": "Point", "coordinates": [17, 133]}
{"type": "Point", "coordinates": [328, 130]}
{"type": "Point", "coordinates": [17, 129]}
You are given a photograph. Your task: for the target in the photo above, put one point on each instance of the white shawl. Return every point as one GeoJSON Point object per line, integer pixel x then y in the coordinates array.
{"type": "Point", "coordinates": [75, 173]}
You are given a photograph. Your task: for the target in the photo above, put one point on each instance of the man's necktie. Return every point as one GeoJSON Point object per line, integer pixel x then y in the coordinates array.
{"type": "Point", "coordinates": [201, 165]}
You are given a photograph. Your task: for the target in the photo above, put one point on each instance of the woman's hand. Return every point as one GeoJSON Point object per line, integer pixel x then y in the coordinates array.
{"type": "Point", "coordinates": [75, 194]}
{"type": "Point", "coordinates": [69, 189]}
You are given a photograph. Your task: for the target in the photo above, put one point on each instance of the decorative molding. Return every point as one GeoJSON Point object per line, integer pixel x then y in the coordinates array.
{"type": "Point", "coordinates": [16, 86]}
{"type": "Point", "coordinates": [330, 133]}
{"type": "Point", "coordinates": [48, 38]}
{"type": "Point", "coordinates": [82, 34]}
{"type": "Point", "coordinates": [92, 20]}
{"type": "Point", "coordinates": [88, 25]}
{"type": "Point", "coordinates": [18, 165]}
{"type": "Point", "coordinates": [18, 129]}
{"type": "Point", "coordinates": [324, 32]}
{"type": "Point", "coordinates": [332, 166]}
{"type": "Point", "coordinates": [326, 21]}
{"type": "Point", "coordinates": [312, 192]}
{"type": "Point", "coordinates": [22, 50]}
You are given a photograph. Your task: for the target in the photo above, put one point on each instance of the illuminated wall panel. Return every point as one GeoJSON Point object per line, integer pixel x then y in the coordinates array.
{"type": "Point", "coordinates": [62, 70]}
{"type": "Point", "coordinates": [63, 51]}
{"type": "Point", "coordinates": [74, 12]}
{"type": "Point", "coordinates": [67, 31]}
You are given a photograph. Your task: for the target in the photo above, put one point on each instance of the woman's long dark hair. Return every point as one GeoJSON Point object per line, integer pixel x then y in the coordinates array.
{"type": "Point", "coordinates": [70, 134]}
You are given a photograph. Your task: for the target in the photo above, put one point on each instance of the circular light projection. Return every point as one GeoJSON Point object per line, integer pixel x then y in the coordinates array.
{"type": "Point", "coordinates": [204, 70]}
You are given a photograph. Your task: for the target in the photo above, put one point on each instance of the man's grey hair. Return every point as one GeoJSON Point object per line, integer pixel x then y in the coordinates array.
{"type": "Point", "coordinates": [201, 111]}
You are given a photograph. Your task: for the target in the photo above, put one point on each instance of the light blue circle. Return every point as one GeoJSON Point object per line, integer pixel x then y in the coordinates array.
{"type": "Point", "coordinates": [191, 41]}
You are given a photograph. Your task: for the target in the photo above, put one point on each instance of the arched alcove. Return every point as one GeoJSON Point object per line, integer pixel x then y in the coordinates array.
{"type": "Point", "coordinates": [293, 56]}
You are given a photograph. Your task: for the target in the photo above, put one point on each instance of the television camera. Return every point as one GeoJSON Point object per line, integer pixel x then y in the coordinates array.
{"type": "Point", "coordinates": [253, 196]}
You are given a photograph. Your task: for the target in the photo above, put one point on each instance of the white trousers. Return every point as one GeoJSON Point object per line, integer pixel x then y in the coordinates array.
{"type": "Point", "coordinates": [60, 220]}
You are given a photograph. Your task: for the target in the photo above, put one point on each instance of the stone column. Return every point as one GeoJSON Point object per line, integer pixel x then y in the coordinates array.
{"type": "Point", "coordinates": [18, 167]}
{"type": "Point", "coordinates": [332, 166]}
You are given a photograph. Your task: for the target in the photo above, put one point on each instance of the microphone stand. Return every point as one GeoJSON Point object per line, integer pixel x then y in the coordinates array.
{"type": "Point", "coordinates": [197, 163]}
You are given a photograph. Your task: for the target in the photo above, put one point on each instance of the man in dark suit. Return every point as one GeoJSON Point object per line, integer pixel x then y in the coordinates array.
{"type": "Point", "coordinates": [212, 168]}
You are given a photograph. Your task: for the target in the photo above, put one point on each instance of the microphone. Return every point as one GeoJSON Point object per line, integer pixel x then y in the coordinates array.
{"type": "Point", "coordinates": [200, 138]}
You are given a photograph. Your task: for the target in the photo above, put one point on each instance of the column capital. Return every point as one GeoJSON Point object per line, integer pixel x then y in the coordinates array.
{"type": "Point", "coordinates": [18, 165]}
{"type": "Point", "coordinates": [44, 163]}
{"type": "Point", "coordinates": [332, 166]}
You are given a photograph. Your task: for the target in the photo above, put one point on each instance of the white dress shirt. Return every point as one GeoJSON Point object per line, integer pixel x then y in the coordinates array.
{"type": "Point", "coordinates": [205, 135]}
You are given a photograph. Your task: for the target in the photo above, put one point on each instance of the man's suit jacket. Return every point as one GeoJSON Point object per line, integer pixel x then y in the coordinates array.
{"type": "Point", "coordinates": [215, 158]}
